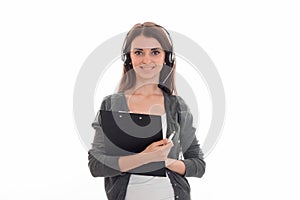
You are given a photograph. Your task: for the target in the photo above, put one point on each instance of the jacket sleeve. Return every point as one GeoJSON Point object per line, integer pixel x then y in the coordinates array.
{"type": "Point", "coordinates": [192, 153]}
{"type": "Point", "coordinates": [100, 164]}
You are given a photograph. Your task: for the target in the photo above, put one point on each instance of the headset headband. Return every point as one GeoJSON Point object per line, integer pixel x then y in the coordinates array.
{"type": "Point", "coordinates": [149, 24]}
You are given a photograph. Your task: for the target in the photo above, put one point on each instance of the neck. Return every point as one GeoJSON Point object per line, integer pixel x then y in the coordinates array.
{"type": "Point", "coordinates": [145, 89]}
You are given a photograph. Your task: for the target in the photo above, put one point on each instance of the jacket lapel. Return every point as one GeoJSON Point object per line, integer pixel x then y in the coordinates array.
{"type": "Point", "coordinates": [171, 112]}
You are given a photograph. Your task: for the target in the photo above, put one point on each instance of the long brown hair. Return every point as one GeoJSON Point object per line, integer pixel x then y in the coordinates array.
{"type": "Point", "coordinates": [167, 74]}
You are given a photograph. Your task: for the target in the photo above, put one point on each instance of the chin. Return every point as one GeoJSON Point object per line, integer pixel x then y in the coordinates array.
{"type": "Point", "coordinates": [148, 77]}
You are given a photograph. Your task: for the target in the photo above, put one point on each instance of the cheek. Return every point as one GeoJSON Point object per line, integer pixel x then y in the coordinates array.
{"type": "Point", "coordinates": [161, 59]}
{"type": "Point", "coordinates": [135, 62]}
{"type": "Point", "coordinates": [158, 60]}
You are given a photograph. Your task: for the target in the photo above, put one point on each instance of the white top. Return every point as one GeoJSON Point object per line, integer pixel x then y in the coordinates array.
{"type": "Point", "coordinates": [150, 187]}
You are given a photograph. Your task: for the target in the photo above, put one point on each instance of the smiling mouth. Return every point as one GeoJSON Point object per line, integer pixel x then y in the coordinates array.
{"type": "Point", "coordinates": [147, 68]}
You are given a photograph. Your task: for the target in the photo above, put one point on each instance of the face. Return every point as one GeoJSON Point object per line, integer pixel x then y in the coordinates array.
{"type": "Point", "coordinates": [147, 58]}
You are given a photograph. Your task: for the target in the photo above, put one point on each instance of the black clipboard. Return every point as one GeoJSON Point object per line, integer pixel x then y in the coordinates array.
{"type": "Point", "coordinates": [128, 133]}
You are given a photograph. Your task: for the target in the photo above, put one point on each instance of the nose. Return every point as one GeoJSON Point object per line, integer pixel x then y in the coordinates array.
{"type": "Point", "coordinates": [146, 59]}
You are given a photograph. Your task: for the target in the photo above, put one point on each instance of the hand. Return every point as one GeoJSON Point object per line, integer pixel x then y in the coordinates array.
{"type": "Point", "coordinates": [169, 162]}
{"type": "Point", "coordinates": [175, 165]}
{"type": "Point", "coordinates": [158, 151]}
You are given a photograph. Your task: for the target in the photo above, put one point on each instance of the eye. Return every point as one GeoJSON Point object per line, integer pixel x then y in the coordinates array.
{"type": "Point", "coordinates": [138, 52]}
{"type": "Point", "coordinates": [156, 52]}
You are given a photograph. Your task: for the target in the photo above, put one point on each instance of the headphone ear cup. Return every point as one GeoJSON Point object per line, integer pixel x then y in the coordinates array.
{"type": "Point", "coordinates": [169, 59]}
{"type": "Point", "coordinates": [172, 58]}
{"type": "Point", "coordinates": [127, 60]}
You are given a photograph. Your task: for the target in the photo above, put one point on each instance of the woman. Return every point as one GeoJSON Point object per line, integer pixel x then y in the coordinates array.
{"type": "Point", "coordinates": [148, 87]}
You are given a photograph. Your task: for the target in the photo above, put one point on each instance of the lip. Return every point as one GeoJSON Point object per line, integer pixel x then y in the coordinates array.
{"type": "Point", "coordinates": [147, 68]}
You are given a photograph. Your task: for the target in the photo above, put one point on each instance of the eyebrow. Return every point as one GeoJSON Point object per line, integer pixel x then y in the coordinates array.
{"type": "Point", "coordinates": [152, 49]}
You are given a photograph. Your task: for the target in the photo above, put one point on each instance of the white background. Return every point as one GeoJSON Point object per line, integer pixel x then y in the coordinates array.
{"type": "Point", "coordinates": [254, 45]}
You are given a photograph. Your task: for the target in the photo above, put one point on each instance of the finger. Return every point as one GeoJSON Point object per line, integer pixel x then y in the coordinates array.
{"type": "Point", "coordinates": [160, 142]}
{"type": "Point", "coordinates": [170, 143]}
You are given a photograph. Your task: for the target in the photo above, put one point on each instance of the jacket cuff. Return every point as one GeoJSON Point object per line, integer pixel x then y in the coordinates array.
{"type": "Point", "coordinates": [188, 168]}
{"type": "Point", "coordinates": [112, 162]}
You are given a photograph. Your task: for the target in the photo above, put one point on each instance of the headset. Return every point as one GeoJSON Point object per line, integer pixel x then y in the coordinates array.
{"type": "Point", "coordinates": [169, 59]}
